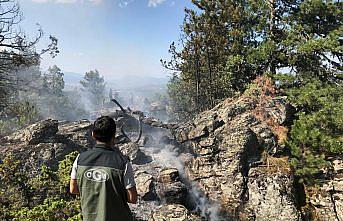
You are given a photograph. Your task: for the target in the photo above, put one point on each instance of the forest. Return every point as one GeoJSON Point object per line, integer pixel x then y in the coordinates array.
{"type": "Point", "coordinates": [227, 48]}
{"type": "Point", "coordinates": [226, 45]}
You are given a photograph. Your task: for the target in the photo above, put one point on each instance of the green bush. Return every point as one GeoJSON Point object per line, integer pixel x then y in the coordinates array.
{"type": "Point", "coordinates": [23, 114]}
{"type": "Point", "coordinates": [316, 134]}
{"type": "Point", "coordinates": [53, 209]}
{"type": "Point", "coordinates": [44, 197]}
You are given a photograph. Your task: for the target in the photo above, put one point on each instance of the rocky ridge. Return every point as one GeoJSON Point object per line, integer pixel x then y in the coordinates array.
{"type": "Point", "coordinates": [225, 164]}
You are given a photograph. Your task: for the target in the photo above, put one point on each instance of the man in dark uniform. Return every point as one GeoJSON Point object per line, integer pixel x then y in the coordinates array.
{"type": "Point", "coordinates": [103, 177]}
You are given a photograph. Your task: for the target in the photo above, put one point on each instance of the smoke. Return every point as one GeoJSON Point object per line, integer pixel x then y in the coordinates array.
{"type": "Point", "coordinates": [86, 101]}
{"type": "Point", "coordinates": [46, 93]}
{"type": "Point", "coordinates": [207, 209]}
{"type": "Point", "coordinates": [169, 155]}
{"type": "Point", "coordinates": [144, 93]}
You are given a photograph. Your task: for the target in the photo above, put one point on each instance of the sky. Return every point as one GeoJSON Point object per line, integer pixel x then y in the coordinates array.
{"type": "Point", "coordinates": [117, 37]}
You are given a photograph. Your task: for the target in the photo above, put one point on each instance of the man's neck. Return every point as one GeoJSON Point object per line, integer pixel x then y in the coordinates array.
{"type": "Point", "coordinates": [105, 144]}
{"type": "Point", "coordinates": [109, 145]}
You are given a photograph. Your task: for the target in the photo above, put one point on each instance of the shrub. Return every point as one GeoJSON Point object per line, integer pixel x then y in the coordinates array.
{"type": "Point", "coordinates": [43, 197]}
{"type": "Point", "coordinates": [317, 132]}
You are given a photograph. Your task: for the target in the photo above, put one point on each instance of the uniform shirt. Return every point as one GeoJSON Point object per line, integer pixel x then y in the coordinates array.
{"type": "Point", "coordinates": [103, 174]}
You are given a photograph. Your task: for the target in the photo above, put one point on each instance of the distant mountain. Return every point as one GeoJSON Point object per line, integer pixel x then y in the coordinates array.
{"type": "Point", "coordinates": [127, 85]}
{"type": "Point", "coordinates": [122, 82]}
{"type": "Point", "coordinates": [142, 86]}
{"type": "Point", "coordinates": [136, 82]}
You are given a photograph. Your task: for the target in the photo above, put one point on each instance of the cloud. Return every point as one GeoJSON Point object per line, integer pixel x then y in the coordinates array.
{"type": "Point", "coordinates": [40, 1]}
{"type": "Point", "coordinates": [155, 3]}
{"type": "Point", "coordinates": [95, 1]}
{"type": "Point", "coordinates": [121, 3]}
{"type": "Point", "coordinates": [68, 1]}
{"type": "Point", "coordinates": [151, 3]}
{"type": "Point", "coordinates": [124, 3]}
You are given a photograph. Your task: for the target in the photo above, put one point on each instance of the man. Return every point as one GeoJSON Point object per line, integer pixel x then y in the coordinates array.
{"type": "Point", "coordinates": [103, 177]}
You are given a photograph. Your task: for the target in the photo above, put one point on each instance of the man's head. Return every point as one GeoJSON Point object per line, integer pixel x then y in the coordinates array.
{"type": "Point", "coordinates": [104, 129]}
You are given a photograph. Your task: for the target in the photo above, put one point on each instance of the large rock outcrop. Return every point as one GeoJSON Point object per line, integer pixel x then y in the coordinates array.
{"type": "Point", "coordinates": [232, 146]}
{"type": "Point", "coordinates": [35, 133]}
{"type": "Point", "coordinates": [47, 142]}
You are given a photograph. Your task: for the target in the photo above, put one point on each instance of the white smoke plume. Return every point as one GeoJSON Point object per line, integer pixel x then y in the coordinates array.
{"type": "Point", "coordinates": [168, 156]}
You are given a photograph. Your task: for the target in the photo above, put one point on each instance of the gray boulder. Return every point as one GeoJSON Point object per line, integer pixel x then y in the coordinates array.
{"type": "Point", "coordinates": [169, 188]}
{"type": "Point", "coordinates": [172, 212]}
{"type": "Point", "coordinates": [270, 196]}
{"type": "Point", "coordinates": [132, 151]}
{"type": "Point", "coordinates": [145, 185]}
{"type": "Point", "coordinates": [35, 133]}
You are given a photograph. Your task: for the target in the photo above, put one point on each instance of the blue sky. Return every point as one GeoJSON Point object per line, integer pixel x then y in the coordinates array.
{"type": "Point", "coordinates": [117, 37]}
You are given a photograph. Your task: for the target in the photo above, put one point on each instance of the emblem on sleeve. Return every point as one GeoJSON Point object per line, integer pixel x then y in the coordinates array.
{"type": "Point", "coordinates": [97, 175]}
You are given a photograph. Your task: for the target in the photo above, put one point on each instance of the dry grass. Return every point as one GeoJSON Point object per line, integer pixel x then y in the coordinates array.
{"type": "Point", "coordinates": [281, 133]}
{"type": "Point", "coordinates": [275, 164]}
{"type": "Point", "coordinates": [266, 93]}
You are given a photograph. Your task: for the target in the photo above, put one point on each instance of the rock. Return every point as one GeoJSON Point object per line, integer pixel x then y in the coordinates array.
{"type": "Point", "coordinates": [337, 166]}
{"type": "Point", "coordinates": [198, 132]}
{"type": "Point", "coordinates": [226, 141]}
{"type": "Point", "coordinates": [47, 142]}
{"type": "Point", "coordinates": [145, 185]}
{"type": "Point", "coordinates": [175, 192]}
{"type": "Point", "coordinates": [39, 132]}
{"type": "Point", "coordinates": [47, 152]}
{"type": "Point", "coordinates": [265, 137]}
{"type": "Point", "coordinates": [169, 175]}
{"type": "Point", "coordinates": [326, 200]}
{"type": "Point", "coordinates": [169, 188]}
{"type": "Point", "coordinates": [35, 133]}
{"type": "Point", "coordinates": [77, 133]}
{"type": "Point", "coordinates": [182, 137]}
{"type": "Point", "coordinates": [222, 170]}
{"type": "Point", "coordinates": [63, 149]}
{"type": "Point", "coordinates": [208, 142]}
{"type": "Point", "coordinates": [280, 111]}
{"type": "Point", "coordinates": [51, 153]}
{"type": "Point", "coordinates": [73, 127]}
{"type": "Point", "coordinates": [222, 154]}
{"type": "Point", "coordinates": [146, 139]}
{"type": "Point", "coordinates": [173, 212]}
{"type": "Point", "coordinates": [143, 209]}
{"type": "Point", "coordinates": [132, 151]}
{"type": "Point", "coordinates": [270, 196]}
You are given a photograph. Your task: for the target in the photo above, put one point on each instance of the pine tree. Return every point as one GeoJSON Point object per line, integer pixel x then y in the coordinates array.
{"type": "Point", "coordinates": [53, 82]}
{"type": "Point", "coordinates": [94, 87]}
{"type": "Point", "coordinates": [318, 131]}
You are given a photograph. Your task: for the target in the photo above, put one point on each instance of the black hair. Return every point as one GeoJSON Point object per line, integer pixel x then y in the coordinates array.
{"type": "Point", "coordinates": [104, 129]}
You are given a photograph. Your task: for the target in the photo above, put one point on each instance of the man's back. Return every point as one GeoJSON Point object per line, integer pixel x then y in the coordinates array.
{"type": "Point", "coordinates": [102, 185]}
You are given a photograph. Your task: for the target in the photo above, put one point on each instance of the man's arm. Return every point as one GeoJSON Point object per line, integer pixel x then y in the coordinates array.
{"type": "Point", "coordinates": [73, 188]}
{"type": "Point", "coordinates": [132, 195]}
{"type": "Point", "coordinates": [130, 184]}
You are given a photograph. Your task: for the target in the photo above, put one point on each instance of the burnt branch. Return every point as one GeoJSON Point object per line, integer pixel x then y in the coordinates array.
{"type": "Point", "coordinates": [130, 114]}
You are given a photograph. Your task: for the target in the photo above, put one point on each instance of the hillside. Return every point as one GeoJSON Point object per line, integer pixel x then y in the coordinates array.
{"type": "Point", "coordinates": [228, 163]}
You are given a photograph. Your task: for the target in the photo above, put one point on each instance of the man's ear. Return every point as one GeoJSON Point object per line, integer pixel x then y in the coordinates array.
{"type": "Point", "coordinates": [113, 140]}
